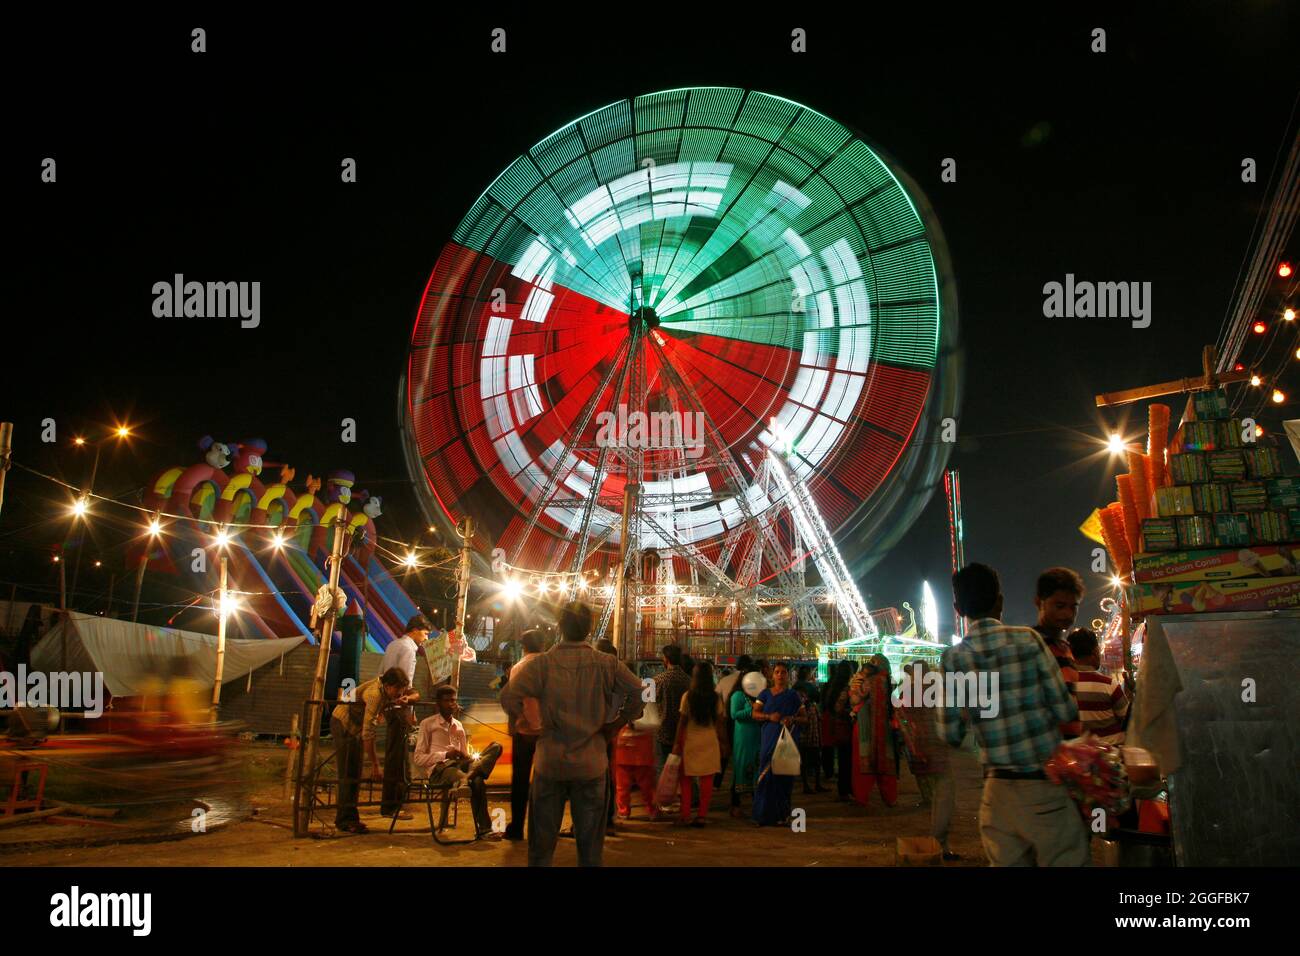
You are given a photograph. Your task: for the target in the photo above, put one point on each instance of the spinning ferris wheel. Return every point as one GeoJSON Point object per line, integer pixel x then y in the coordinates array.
{"type": "Point", "coordinates": [681, 348]}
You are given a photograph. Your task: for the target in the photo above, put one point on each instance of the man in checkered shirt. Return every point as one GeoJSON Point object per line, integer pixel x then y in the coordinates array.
{"type": "Point", "coordinates": [1025, 819]}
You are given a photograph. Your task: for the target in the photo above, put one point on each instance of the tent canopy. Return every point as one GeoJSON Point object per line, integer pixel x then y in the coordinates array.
{"type": "Point", "coordinates": [133, 656]}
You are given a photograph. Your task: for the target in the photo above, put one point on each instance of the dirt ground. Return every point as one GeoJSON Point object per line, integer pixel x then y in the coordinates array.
{"type": "Point", "coordinates": [837, 834]}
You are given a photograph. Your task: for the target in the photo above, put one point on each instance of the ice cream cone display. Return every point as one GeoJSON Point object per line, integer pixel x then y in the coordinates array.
{"type": "Point", "coordinates": [1132, 524]}
{"type": "Point", "coordinates": [1112, 530]}
{"type": "Point", "coordinates": [1137, 469]}
{"type": "Point", "coordinates": [1217, 520]}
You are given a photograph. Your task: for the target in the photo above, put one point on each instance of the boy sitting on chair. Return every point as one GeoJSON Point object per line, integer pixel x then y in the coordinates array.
{"type": "Point", "coordinates": [443, 749]}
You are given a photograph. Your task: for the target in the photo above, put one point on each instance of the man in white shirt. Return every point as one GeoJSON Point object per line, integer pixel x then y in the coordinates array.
{"type": "Point", "coordinates": [400, 653]}
{"type": "Point", "coordinates": [443, 749]}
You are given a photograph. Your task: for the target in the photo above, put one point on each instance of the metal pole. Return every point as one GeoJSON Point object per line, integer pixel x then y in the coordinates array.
{"type": "Point", "coordinates": [139, 574]}
{"type": "Point", "coordinates": [6, 449]}
{"type": "Point", "coordinates": [63, 609]}
{"type": "Point", "coordinates": [466, 531]}
{"type": "Point", "coordinates": [621, 596]}
{"type": "Point", "coordinates": [311, 732]}
{"type": "Point", "coordinates": [222, 609]}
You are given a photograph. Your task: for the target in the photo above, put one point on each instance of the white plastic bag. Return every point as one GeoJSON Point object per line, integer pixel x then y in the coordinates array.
{"type": "Point", "coordinates": [669, 781]}
{"type": "Point", "coordinates": [785, 759]}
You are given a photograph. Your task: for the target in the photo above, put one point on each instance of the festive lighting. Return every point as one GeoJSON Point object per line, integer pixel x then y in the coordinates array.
{"type": "Point", "coordinates": [1289, 315]}
{"type": "Point", "coordinates": [1260, 328]}
{"type": "Point", "coordinates": [929, 610]}
{"type": "Point", "coordinates": [228, 605]}
{"type": "Point", "coordinates": [98, 563]}
{"type": "Point", "coordinates": [80, 507]}
{"type": "Point", "coordinates": [1116, 443]}
{"type": "Point", "coordinates": [1284, 269]}
{"type": "Point", "coordinates": [1278, 396]}
{"type": "Point", "coordinates": [222, 538]}
{"type": "Point", "coordinates": [78, 440]}
{"type": "Point", "coordinates": [56, 559]}
{"type": "Point", "coordinates": [277, 540]}
{"type": "Point", "coordinates": [1117, 581]}
{"type": "Point", "coordinates": [123, 431]}
{"type": "Point", "coordinates": [411, 561]}
{"type": "Point", "coordinates": [1255, 380]}
{"type": "Point", "coordinates": [513, 589]}
{"type": "Point", "coordinates": [155, 527]}
{"type": "Point", "coordinates": [1259, 429]}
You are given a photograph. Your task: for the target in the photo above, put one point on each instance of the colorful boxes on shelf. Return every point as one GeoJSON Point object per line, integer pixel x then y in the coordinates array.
{"type": "Point", "coordinates": [1212, 497]}
{"type": "Point", "coordinates": [1215, 564]}
{"type": "Point", "coordinates": [1231, 529]}
{"type": "Point", "coordinates": [1195, 531]}
{"type": "Point", "coordinates": [1226, 466]}
{"type": "Point", "coordinates": [1230, 433]}
{"type": "Point", "coordinates": [1263, 462]}
{"type": "Point", "coordinates": [1249, 496]}
{"type": "Point", "coordinates": [1210, 405]}
{"type": "Point", "coordinates": [1159, 534]}
{"type": "Point", "coordinates": [1174, 500]}
{"type": "Point", "coordinates": [1269, 527]}
{"type": "Point", "coordinates": [1239, 594]}
{"type": "Point", "coordinates": [1196, 436]}
{"type": "Point", "coordinates": [1188, 468]}
{"type": "Point", "coordinates": [1283, 493]}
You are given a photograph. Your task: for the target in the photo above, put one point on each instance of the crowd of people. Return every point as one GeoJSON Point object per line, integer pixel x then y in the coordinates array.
{"type": "Point", "coordinates": [586, 731]}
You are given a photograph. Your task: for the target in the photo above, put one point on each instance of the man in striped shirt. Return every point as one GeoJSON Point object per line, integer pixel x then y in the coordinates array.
{"type": "Point", "coordinates": [1102, 701]}
{"type": "Point", "coordinates": [1057, 598]}
{"type": "Point", "coordinates": [1025, 819]}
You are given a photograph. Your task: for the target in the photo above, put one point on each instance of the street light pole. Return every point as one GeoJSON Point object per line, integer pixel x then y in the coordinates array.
{"type": "Point", "coordinates": [223, 611]}
{"type": "Point", "coordinates": [311, 743]}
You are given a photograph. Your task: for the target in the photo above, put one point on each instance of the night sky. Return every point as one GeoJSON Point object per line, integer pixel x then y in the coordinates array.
{"type": "Point", "coordinates": [1122, 166]}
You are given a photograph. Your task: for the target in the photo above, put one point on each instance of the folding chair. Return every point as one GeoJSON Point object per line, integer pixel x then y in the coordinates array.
{"type": "Point", "coordinates": [448, 795]}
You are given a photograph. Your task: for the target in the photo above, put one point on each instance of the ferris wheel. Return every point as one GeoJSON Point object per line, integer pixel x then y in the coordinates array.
{"type": "Point", "coordinates": [691, 340]}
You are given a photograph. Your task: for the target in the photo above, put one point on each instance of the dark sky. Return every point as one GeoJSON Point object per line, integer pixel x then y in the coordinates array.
{"type": "Point", "coordinates": [1122, 166]}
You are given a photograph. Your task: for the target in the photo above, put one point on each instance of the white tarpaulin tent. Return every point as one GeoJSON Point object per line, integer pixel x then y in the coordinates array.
{"type": "Point", "coordinates": [133, 656]}
{"type": "Point", "coordinates": [1293, 433]}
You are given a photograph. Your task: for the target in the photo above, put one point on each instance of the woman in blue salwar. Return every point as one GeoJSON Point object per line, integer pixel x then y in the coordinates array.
{"type": "Point", "coordinates": [777, 707]}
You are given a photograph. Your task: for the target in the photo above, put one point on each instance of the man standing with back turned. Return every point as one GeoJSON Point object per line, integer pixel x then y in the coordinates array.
{"type": "Point", "coordinates": [1025, 819]}
{"type": "Point", "coordinates": [575, 685]}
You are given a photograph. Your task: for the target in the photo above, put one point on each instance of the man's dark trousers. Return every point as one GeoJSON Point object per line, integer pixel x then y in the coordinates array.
{"type": "Point", "coordinates": [523, 746]}
{"type": "Point", "coordinates": [348, 757]}
{"type": "Point", "coordinates": [394, 764]}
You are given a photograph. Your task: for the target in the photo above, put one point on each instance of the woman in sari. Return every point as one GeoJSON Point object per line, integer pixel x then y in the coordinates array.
{"type": "Point", "coordinates": [875, 756]}
{"type": "Point", "coordinates": [776, 708]}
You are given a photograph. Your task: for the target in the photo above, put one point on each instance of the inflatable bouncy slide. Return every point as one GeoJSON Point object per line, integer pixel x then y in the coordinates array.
{"type": "Point", "coordinates": [279, 540]}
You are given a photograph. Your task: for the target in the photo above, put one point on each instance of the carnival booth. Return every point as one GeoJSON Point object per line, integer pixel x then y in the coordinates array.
{"type": "Point", "coordinates": [1205, 534]}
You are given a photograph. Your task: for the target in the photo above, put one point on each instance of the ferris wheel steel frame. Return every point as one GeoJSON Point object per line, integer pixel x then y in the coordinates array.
{"type": "Point", "coordinates": [770, 520]}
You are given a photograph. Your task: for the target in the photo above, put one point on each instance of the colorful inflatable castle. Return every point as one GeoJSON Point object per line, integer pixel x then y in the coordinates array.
{"type": "Point", "coordinates": [278, 541]}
